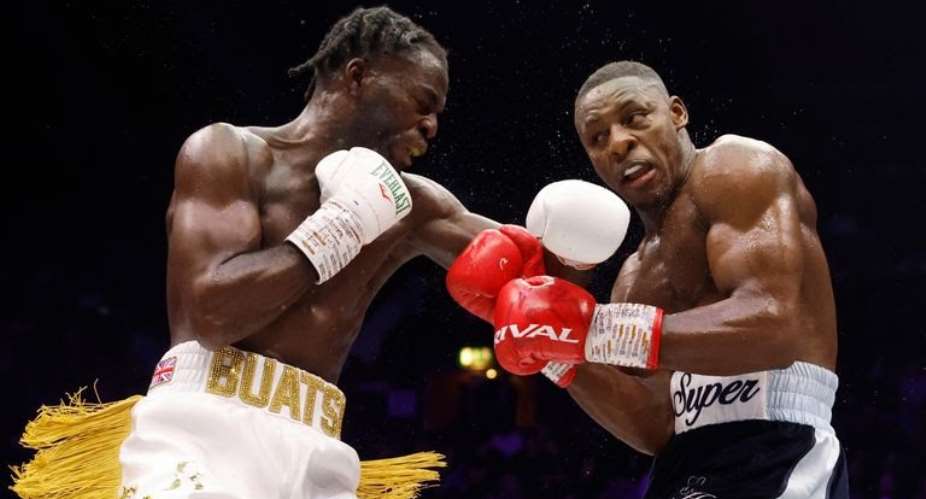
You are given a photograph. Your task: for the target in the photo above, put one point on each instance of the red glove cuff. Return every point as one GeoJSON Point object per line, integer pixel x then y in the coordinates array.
{"type": "Point", "coordinates": [560, 373]}
{"type": "Point", "coordinates": [653, 361]}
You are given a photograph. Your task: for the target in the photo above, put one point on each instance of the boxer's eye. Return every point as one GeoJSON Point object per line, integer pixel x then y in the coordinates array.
{"type": "Point", "coordinates": [636, 118]}
{"type": "Point", "coordinates": [423, 107]}
{"type": "Point", "coordinates": [427, 102]}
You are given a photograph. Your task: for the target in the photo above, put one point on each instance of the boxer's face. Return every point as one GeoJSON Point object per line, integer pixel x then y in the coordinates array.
{"type": "Point", "coordinates": [630, 130]}
{"type": "Point", "coordinates": [398, 98]}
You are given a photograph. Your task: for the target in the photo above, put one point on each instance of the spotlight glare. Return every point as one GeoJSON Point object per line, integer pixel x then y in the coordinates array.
{"type": "Point", "coordinates": [466, 356]}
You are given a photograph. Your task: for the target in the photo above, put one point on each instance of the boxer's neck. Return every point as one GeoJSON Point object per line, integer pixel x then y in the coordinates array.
{"type": "Point", "coordinates": [652, 216]}
{"type": "Point", "coordinates": [324, 126]}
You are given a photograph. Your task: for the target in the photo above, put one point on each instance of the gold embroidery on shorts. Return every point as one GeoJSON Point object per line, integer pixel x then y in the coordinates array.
{"type": "Point", "coordinates": [224, 372]}
{"type": "Point", "coordinates": [332, 411]}
{"type": "Point", "coordinates": [233, 371]}
{"type": "Point", "coordinates": [313, 386]}
{"type": "Point", "coordinates": [247, 377]}
{"type": "Point", "coordinates": [287, 393]}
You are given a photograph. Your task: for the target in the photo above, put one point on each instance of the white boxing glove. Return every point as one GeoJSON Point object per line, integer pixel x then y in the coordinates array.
{"type": "Point", "coordinates": [581, 223]}
{"type": "Point", "coordinates": [329, 173]}
{"type": "Point", "coordinates": [343, 172]}
{"type": "Point", "coordinates": [362, 197]}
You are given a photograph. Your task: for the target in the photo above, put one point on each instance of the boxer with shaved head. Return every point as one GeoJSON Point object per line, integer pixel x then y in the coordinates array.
{"type": "Point", "coordinates": [717, 350]}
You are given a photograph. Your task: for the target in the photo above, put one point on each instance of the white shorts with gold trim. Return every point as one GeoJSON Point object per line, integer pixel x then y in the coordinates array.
{"type": "Point", "coordinates": [234, 424]}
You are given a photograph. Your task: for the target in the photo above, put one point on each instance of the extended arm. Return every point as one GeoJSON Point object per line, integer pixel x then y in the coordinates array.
{"type": "Point", "coordinates": [450, 226]}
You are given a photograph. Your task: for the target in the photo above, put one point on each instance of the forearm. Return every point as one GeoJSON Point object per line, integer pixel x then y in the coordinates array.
{"type": "Point", "coordinates": [443, 240]}
{"type": "Point", "coordinates": [247, 292]}
{"type": "Point", "coordinates": [733, 336]}
{"type": "Point", "coordinates": [635, 410]}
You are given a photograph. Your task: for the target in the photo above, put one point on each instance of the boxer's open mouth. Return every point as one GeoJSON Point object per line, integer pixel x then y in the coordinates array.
{"type": "Point", "coordinates": [635, 171]}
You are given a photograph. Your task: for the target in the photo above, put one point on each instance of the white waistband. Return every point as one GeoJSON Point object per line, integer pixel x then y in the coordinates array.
{"type": "Point", "coordinates": [251, 380]}
{"type": "Point", "coordinates": [802, 393]}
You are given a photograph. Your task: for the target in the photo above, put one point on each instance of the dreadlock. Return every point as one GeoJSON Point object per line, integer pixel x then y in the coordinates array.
{"type": "Point", "coordinates": [620, 69]}
{"type": "Point", "coordinates": [366, 32]}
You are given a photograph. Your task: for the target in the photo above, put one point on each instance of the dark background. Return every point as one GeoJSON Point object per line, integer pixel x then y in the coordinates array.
{"type": "Point", "coordinates": [102, 97]}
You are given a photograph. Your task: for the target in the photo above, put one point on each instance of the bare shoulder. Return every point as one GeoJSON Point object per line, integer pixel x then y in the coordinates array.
{"type": "Point", "coordinates": [216, 160]}
{"type": "Point", "coordinates": [735, 173]}
{"type": "Point", "coordinates": [216, 146]}
{"type": "Point", "coordinates": [733, 157]}
{"type": "Point", "coordinates": [432, 200]}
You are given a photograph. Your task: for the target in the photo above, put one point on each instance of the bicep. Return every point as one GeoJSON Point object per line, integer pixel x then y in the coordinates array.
{"type": "Point", "coordinates": [213, 216]}
{"type": "Point", "coordinates": [760, 253]}
{"type": "Point", "coordinates": [203, 235]}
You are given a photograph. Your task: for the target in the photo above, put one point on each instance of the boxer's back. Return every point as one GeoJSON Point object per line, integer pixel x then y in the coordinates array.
{"type": "Point", "coordinates": [670, 267]}
{"type": "Point", "coordinates": [315, 332]}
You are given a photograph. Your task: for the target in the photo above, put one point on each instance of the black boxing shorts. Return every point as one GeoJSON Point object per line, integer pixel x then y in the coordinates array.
{"type": "Point", "coordinates": [758, 435]}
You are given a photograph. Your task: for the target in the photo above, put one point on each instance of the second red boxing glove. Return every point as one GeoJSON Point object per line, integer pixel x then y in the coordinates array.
{"type": "Point", "coordinates": [492, 259]}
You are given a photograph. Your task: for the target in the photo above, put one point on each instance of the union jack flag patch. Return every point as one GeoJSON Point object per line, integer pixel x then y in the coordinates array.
{"type": "Point", "coordinates": [163, 372]}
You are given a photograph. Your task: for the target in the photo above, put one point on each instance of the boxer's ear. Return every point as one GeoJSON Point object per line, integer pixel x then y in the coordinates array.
{"type": "Point", "coordinates": [354, 72]}
{"type": "Point", "coordinates": [679, 112]}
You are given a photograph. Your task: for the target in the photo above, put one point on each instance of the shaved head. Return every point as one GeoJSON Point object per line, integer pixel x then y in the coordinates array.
{"type": "Point", "coordinates": [620, 69]}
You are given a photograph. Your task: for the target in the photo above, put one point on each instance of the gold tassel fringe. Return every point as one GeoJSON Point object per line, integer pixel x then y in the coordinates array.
{"type": "Point", "coordinates": [77, 456]}
{"type": "Point", "coordinates": [77, 446]}
{"type": "Point", "coordinates": [399, 477]}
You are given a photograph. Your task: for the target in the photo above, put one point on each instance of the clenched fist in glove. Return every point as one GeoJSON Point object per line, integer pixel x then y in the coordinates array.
{"type": "Point", "coordinates": [543, 318]}
{"type": "Point", "coordinates": [492, 259]}
{"type": "Point", "coordinates": [582, 224]}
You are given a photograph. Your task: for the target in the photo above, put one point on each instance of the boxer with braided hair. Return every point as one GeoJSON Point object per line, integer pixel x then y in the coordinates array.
{"type": "Point", "coordinates": [279, 238]}
{"type": "Point", "coordinates": [365, 33]}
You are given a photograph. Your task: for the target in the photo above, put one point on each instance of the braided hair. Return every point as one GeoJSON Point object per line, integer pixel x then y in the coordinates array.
{"type": "Point", "coordinates": [363, 33]}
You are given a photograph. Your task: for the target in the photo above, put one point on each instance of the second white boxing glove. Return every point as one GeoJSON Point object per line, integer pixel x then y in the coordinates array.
{"type": "Point", "coordinates": [581, 223]}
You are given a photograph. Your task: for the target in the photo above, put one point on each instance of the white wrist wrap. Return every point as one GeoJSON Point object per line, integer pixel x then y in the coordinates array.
{"type": "Point", "coordinates": [554, 371]}
{"type": "Point", "coordinates": [625, 334]}
{"type": "Point", "coordinates": [362, 197]}
{"type": "Point", "coordinates": [330, 238]}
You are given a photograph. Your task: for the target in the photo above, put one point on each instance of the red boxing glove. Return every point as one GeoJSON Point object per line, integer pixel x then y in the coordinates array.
{"type": "Point", "coordinates": [492, 259]}
{"type": "Point", "coordinates": [531, 249]}
{"type": "Point", "coordinates": [543, 319]}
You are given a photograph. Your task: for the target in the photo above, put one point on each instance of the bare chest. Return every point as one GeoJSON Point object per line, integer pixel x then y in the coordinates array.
{"type": "Point", "coordinates": [287, 204]}
{"type": "Point", "coordinates": [669, 269]}
{"type": "Point", "coordinates": [326, 319]}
